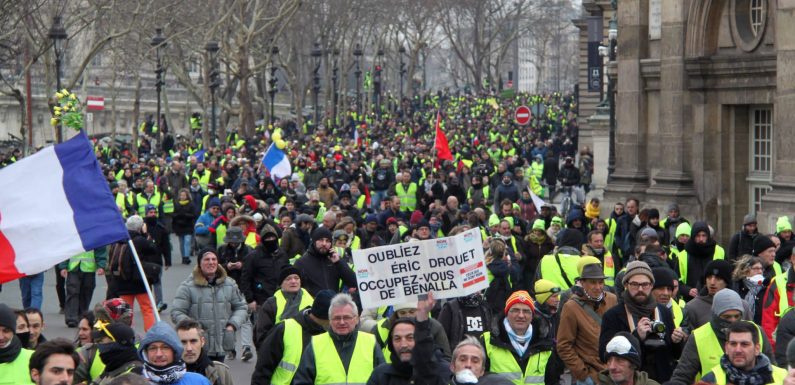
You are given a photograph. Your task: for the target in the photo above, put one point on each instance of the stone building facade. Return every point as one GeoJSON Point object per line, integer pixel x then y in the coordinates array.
{"type": "Point", "coordinates": [704, 108]}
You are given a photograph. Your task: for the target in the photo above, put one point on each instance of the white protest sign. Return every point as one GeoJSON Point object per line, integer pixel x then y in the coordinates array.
{"type": "Point", "coordinates": [449, 267]}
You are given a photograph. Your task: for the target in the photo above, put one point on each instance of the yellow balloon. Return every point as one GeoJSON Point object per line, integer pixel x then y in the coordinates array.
{"type": "Point", "coordinates": [280, 144]}
{"type": "Point", "coordinates": [277, 136]}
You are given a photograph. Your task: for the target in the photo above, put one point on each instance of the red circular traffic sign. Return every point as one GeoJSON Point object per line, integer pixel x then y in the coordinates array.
{"type": "Point", "coordinates": [523, 115]}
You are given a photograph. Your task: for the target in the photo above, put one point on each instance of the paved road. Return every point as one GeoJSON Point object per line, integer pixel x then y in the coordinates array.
{"type": "Point", "coordinates": [56, 327]}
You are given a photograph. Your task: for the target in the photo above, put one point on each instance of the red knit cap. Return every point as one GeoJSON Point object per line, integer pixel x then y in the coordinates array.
{"type": "Point", "coordinates": [519, 296]}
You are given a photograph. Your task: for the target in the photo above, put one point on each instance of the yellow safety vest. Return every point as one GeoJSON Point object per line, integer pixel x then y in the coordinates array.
{"type": "Point", "coordinates": [551, 272]}
{"type": "Point", "coordinates": [682, 255]}
{"type": "Point", "coordinates": [610, 238]}
{"type": "Point", "coordinates": [708, 348]}
{"type": "Point", "coordinates": [356, 244]}
{"type": "Point", "coordinates": [503, 363]}
{"type": "Point", "coordinates": [677, 311]}
{"type": "Point", "coordinates": [17, 372]}
{"type": "Point", "coordinates": [408, 199]}
{"type": "Point", "coordinates": [781, 288]}
{"type": "Point", "coordinates": [779, 375]}
{"type": "Point", "coordinates": [85, 260]}
{"type": "Point", "coordinates": [291, 357]}
{"type": "Point", "coordinates": [142, 202]}
{"type": "Point", "coordinates": [204, 178]}
{"type": "Point", "coordinates": [609, 268]}
{"type": "Point", "coordinates": [281, 302]}
{"type": "Point", "coordinates": [168, 204]}
{"type": "Point", "coordinates": [329, 368]}
{"type": "Point", "coordinates": [383, 333]}
{"type": "Point", "coordinates": [537, 169]}
{"type": "Point", "coordinates": [121, 203]}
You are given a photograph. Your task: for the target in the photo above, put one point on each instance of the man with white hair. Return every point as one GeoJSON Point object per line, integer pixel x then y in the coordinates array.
{"type": "Point", "coordinates": [346, 355]}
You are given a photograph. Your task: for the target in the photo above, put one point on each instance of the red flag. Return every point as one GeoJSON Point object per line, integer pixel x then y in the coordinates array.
{"type": "Point", "coordinates": [440, 143]}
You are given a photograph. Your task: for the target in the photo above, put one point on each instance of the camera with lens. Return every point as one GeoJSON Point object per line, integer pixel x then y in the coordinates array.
{"type": "Point", "coordinates": [658, 330]}
{"type": "Point", "coordinates": [658, 327]}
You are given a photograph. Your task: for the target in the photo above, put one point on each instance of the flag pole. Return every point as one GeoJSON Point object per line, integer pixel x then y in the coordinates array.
{"type": "Point", "coordinates": [143, 277]}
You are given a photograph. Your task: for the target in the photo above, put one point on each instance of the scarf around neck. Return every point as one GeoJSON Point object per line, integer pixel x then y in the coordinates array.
{"type": "Point", "coordinates": [761, 373]}
{"type": "Point", "coordinates": [164, 374]}
{"type": "Point", "coordinates": [519, 343]}
{"type": "Point", "coordinates": [639, 310]}
{"type": "Point", "coordinates": [10, 352]}
{"type": "Point", "coordinates": [201, 364]}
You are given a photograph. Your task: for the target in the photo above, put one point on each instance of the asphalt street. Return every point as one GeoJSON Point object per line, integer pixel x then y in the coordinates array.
{"type": "Point", "coordinates": [56, 327]}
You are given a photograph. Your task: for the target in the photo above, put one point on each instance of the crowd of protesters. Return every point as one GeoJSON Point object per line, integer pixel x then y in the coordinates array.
{"type": "Point", "coordinates": [593, 295]}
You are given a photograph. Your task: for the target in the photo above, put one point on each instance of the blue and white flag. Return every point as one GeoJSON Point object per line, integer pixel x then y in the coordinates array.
{"type": "Point", "coordinates": [275, 160]}
{"type": "Point", "coordinates": [53, 205]}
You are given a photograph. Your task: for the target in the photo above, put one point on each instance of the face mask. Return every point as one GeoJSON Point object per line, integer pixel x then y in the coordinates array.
{"type": "Point", "coordinates": [271, 245]}
{"type": "Point", "coordinates": [466, 377]}
{"type": "Point", "coordinates": [211, 191]}
{"type": "Point", "coordinates": [435, 227]}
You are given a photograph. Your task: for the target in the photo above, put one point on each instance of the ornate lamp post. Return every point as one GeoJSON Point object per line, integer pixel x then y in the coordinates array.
{"type": "Point", "coordinates": [158, 41]}
{"type": "Point", "coordinates": [316, 54]}
{"type": "Point", "coordinates": [401, 52]}
{"type": "Point", "coordinates": [334, 71]}
{"type": "Point", "coordinates": [377, 81]}
{"type": "Point", "coordinates": [611, 97]}
{"type": "Point", "coordinates": [272, 83]}
{"type": "Point", "coordinates": [357, 52]}
{"type": "Point", "coordinates": [58, 36]}
{"type": "Point", "coordinates": [214, 78]}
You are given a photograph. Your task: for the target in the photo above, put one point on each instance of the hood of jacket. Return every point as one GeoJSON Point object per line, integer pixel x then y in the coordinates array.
{"type": "Point", "coordinates": [574, 215]}
{"type": "Point", "coordinates": [199, 279]}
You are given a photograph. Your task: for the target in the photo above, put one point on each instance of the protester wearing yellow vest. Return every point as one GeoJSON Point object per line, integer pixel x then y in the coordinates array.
{"type": "Point", "coordinates": [80, 272]}
{"type": "Point", "coordinates": [663, 291]}
{"type": "Point", "coordinates": [14, 358]}
{"type": "Point", "coordinates": [743, 362]}
{"type": "Point", "coordinates": [519, 348]}
{"type": "Point", "coordinates": [699, 249]}
{"type": "Point", "coordinates": [778, 298]}
{"type": "Point", "coordinates": [287, 302]}
{"type": "Point", "coordinates": [624, 357]}
{"type": "Point", "coordinates": [322, 362]}
{"type": "Point", "coordinates": [406, 191]}
{"type": "Point", "coordinates": [560, 267]}
{"type": "Point", "coordinates": [704, 347]}
{"type": "Point", "coordinates": [279, 354]}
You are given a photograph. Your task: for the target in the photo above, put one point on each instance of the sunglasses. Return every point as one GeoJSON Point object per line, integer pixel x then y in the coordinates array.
{"type": "Point", "coordinates": [554, 290]}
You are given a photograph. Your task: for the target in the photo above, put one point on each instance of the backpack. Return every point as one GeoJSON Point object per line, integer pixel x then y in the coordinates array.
{"type": "Point", "coordinates": [117, 253]}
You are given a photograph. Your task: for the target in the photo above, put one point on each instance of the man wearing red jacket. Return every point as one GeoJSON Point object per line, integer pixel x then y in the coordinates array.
{"type": "Point", "coordinates": [774, 305]}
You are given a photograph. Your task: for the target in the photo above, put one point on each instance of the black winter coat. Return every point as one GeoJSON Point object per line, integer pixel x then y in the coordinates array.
{"type": "Point", "coordinates": [260, 276]}
{"type": "Point", "coordinates": [184, 218]}
{"type": "Point", "coordinates": [318, 273]}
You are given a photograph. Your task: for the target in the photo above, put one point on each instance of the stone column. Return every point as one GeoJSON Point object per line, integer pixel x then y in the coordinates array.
{"type": "Point", "coordinates": [673, 182]}
{"type": "Point", "coordinates": [631, 175]}
{"type": "Point", "coordinates": [781, 199]}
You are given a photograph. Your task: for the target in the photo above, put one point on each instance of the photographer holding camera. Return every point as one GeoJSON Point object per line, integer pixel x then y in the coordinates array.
{"type": "Point", "coordinates": [637, 312]}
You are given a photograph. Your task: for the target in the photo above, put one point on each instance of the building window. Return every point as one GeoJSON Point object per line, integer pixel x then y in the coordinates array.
{"type": "Point", "coordinates": [762, 140]}
{"type": "Point", "coordinates": [757, 15]}
{"type": "Point", "coordinates": [760, 170]}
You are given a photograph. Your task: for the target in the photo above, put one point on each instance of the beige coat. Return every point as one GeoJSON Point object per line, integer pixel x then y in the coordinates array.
{"type": "Point", "coordinates": [578, 338]}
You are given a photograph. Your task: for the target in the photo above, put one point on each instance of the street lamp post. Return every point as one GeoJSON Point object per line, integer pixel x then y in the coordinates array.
{"type": "Point", "coordinates": [377, 81]}
{"type": "Point", "coordinates": [158, 41]}
{"type": "Point", "coordinates": [611, 95]}
{"type": "Point", "coordinates": [316, 54]}
{"type": "Point", "coordinates": [334, 72]}
{"type": "Point", "coordinates": [357, 52]}
{"type": "Point", "coordinates": [272, 83]}
{"type": "Point", "coordinates": [401, 52]}
{"type": "Point", "coordinates": [214, 82]}
{"type": "Point", "coordinates": [58, 36]}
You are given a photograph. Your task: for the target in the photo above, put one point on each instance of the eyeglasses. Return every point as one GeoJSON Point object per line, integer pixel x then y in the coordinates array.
{"type": "Point", "coordinates": [636, 285]}
{"type": "Point", "coordinates": [343, 318]}
{"type": "Point", "coordinates": [520, 311]}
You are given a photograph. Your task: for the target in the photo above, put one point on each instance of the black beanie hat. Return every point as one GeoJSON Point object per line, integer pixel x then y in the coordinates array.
{"type": "Point", "coordinates": [320, 233]}
{"type": "Point", "coordinates": [204, 251]}
{"type": "Point", "coordinates": [654, 213]}
{"type": "Point", "coordinates": [761, 243]}
{"type": "Point", "coordinates": [8, 318]}
{"type": "Point", "coordinates": [719, 268]}
{"type": "Point", "coordinates": [322, 303]}
{"type": "Point", "coordinates": [287, 271]}
{"type": "Point", "coordinates": [663, 277]}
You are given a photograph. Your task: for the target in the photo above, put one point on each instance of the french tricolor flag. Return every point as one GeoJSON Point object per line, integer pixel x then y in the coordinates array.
{"type": "Point", "coordinates": [53, 205]}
